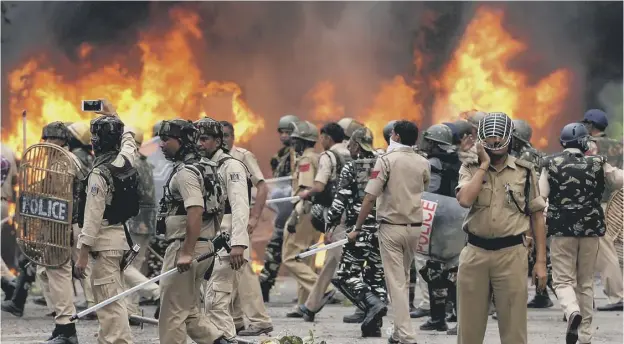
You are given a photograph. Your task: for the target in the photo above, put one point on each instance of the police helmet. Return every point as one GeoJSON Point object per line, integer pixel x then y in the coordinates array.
{"type": "Point", "coordinates": [475, 118]}
{"type": "Point", "coordinates": [286, 121]}
{"type": "Point", "coordinates": [574, 135]}
{"type": "Point", "coordinates": [596, 117]}
{"type": "Point", "coordinates": [364, 138]}
{"type": "Point", "coordinates": [349, 125]}
{"type": "Point", "coordinates": [305, 130]}
{"type": "Point", "coordinates": [495, 124]}
{"type": "Point", "coordinates": [463, 128]}
{"type": "Point", "coordinates": [211, 127]}
{"type": "Point", "coordinates": [55, 130]}
{"type": "Point", "coordinates": [522, 130]}
{"type": "Point", "coordinates": [179, 129]}
{"type": "Point", "coordinates": [156, 128]}
{"type": "Point", "coordinates": [106, 132]}
{"type": "Point", "coordinates": [80, 131]}
{"type": "Point", "coordinates": [138, 134]}
{"type": "Point", "coordinates": [439, 133]}
{"type": "Point", "coordinates": [387, 130]}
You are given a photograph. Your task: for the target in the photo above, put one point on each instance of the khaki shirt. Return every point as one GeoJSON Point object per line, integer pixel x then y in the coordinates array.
{"type": "Point", "coordinates": [398, 180]}
{"type": "Point", "coordinates": [305, 171]}
{"type": "Point", "coordinates": [327, 163]}
{"type": "Point", "coordinates": [250, 161]}
{"type": "Point", "coordinates": [494, 214]}
{"type": "Point", "coordinates": [96, 232]}
{"type": "Point", "coordinates": [7, 187]}
{"type": "Point", "coordinates": [233, 177]}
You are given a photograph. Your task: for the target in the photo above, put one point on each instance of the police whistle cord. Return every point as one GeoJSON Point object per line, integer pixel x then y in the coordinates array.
{"type": "Point", "coordinates": [279, 179]}
{"type": "Point", "coordinates": [280, 200]}
{"type": "Point", "coordinates": [319, 249]}
{"type": "Point", "coordinates": [140, 286]}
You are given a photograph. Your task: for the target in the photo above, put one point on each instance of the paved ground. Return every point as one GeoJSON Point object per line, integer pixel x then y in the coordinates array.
{"type": "Point", "coordinates": [545, 326]}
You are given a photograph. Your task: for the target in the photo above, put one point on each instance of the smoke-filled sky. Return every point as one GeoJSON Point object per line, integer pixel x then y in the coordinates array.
{"type": "Point", "coordinates": [279, 51]}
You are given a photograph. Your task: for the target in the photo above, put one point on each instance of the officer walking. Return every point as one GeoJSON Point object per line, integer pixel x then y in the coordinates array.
{"type": "Point", "coordinates": [576, 224]}
{"type": "Point", "coordinates": [233, 176]}
{"type": "Point", "coordinates": [102, 235]}
{"type": "Point", "coordinates": [247, 295]}
{"type": "Point", "coordinates": [607, 264]}
{"type": "Point", "coordinates": [282, 165]}
{"type": "Point", "coordinates": [397, 182]}
{"type": "Point", "coordinates": [360, 275]}
{"type": "Point", "coordinates": [504, 202]}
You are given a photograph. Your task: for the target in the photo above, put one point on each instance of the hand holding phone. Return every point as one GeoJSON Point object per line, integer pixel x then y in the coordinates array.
{"type": "Point", "coordinates": [92, 105]}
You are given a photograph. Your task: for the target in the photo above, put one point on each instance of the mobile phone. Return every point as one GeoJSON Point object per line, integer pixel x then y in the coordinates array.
{"type": "Point", "coordinates": [92, 105]}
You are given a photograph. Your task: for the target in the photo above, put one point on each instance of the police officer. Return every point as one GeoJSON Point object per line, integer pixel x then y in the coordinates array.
{"type": "Point", "coordinates": [349, 125]}
{"type": "Point", "coordinates": [282, 165]}
{"type": "Point", "coordinates": [141, 228]}
{"type": "Point", "coordinates": [397, 181]}
{"type": "Point", "coordinates": [300, 233]}
{"type": "Point", "coordinates": [360, 276]}
{"type": "Point", "coordinates": [331, 162]}
{"type": "Point", "coordinates": [233, 176]}
{"type": "Point", "coordinates": [102, 235]}
{"type": "Point", "coordinates": [576, 223]}
{"type": "Point", "coordinates": [80, 143]}
{"type": "Point", "coordinates": [504, 203]}
{"type": "Point", "coordinates": [596, 122]}
{"type": "Point", "coordinates": [247, 295]}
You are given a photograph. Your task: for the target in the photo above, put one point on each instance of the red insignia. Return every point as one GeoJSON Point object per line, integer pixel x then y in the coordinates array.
{"type": "Point", "coordinates": [304, 168]}
{"type": "Point", "coordinates": [374, 174]}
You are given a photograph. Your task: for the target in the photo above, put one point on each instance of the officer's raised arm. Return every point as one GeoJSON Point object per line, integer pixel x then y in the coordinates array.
{"type": "Point", "coordinates": [470, 182]}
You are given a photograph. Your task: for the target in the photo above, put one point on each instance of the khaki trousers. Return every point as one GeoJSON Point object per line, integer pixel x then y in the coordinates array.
{"type": "Point", "coordinates": [179, 300]}
{"type": "Point", "coordinates": [422, 285]}
{"type": "Point", "coordinates": [397, 245]}
{"type": "Point", "coordinates": [218, 298]}
{"type": "Point", "coordinates": [304, 237]}
{"type": "Point", "coordinates": [247, 300]}
{"type": "Point", "coordinates": [134, 277]}
{"type": "Point", "coordinates": [323, 283]}
{"type": "Point", "coordinates": [85, 282]}
{"type": "Point", "coordinates": [58, 288]}
{"type": "Point", "coordinates": [610, 272]}
{"type": "Point", "coordinates": [107, 281]}
{"type": "Point", "coordinates": [573, 261]}
{"type": "Point", "coordinates": [506, 271]}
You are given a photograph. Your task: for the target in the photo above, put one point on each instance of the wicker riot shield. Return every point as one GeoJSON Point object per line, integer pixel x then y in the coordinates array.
{"type": "Point", "coordinates": [44, 207]}
{"type": "Point", "coordinates": [615, 225]}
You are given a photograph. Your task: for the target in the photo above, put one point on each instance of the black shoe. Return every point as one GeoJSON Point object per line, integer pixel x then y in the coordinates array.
{"type": "Point", "coordinates": [308, 315]}
{"type": "Point", "coordinates": [296, 313]}
{"type": "Point", "coordinates": [451, 318]}
{"type": "Point", "coordinates": [611, 307]}
{"type": "Point", "coordinates": [63, 339]}
{"type": "Point", "coordinates": [373, 331]}
{"type": "Point", "coordinates": [573, 324]}
{"type": "Point", "coordinates": [419, 313]}
{"type": "Point", "coordinates": [540, 301]}
{"type": "Point", "coordinates": [375, 311]}
{"type": "Point", "coordinates": [8, 287]}
{"type": "Point", "coordinates": [355, 318]}
{"type": "Point", "coordinates": [223, 340]}
{"type": "Point", "coordinates": [157, 312]}
{"type": "Point", "coordinates": [252, 331]}
{"type": "Point", "coordinates": [452, 331]}
{"type": "Point", "coordinates": [431, 325]}
{"type": "Point", "coordinates": [392, 340]}
{"type": "Point", "coordinates": [265, 288]}
{"type": "Point", "coordinates": [41, 301]}
{"type": "Point", "coordinates": [11, 307]}
{"type": "Point", "coordinates": [495, 316]}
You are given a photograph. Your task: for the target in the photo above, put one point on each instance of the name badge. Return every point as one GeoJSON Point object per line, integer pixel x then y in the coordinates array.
{"type": "Point", "coordinates": [46, 208]}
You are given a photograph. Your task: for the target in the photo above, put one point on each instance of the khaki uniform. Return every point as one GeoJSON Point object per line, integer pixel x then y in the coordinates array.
{"type": "Point", "coordinates": [180, 294]}
{"type": "Point", "coordinates": [305, 234]}
{"type": "Point", "coordinates": [217, 303]}
{"type": "Point", "coordinates": [107, 243]}
{"type": "Point", "coordinates": [398, 180]}
{"type": "Point", "coordinates": [247, 296]}
{"type": "Point", "coordinates": [327, 172]}
{"type": "Point", "coordinates": [7, 194]}
{"type": "Point", "coordinates": [494, 215]}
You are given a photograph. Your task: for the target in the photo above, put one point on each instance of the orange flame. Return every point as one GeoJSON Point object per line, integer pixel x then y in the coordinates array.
{"type": "Point", "coordinates": [325, 108]}
{"type": "Point", "coordinates": [479, 78]}
{"type": "Point", "coordinates": [166, 86]}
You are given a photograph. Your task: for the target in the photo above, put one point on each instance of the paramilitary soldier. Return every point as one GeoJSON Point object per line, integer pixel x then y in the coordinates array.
{"type": "Point", "coordinates": [397, 182]}
{"type": "Point", "coordinates": [360, 275]}
{"type": "Point", "coordinates": [573, 184]}
{"type": "Point", "coordinates": [438, 277]}
{"type": "Point", "coordinates": [142, 227]}
{"type": "Point", "coordinates": [504, 203]}
{"type": "Point", "coordinates": [247, 295]}
{"type": "Point", "coordinates": [189, 216]}
{"type": "Point", "coordinates": [596, 122]}
{"type": "Point", "coordinates": [349, 125]}
{"type": "Point", "coordinates": [111, 198]}
{"type": "Point", "coordinates": [234, 177]}
{"type": "Point", "coordinates": [522, 149]}
{"type": "Point", "coordinates": [282, 165]}
{"type": "Point", "coordinates": [331, 162]}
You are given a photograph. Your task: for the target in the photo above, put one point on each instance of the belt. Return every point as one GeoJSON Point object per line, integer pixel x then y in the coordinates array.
{"type": "Point", "coordinates": [495, 244]}
{"type": "Point", "coordinates": [417, 224]}
{"type": "Point", "coordinates": [182, 239]}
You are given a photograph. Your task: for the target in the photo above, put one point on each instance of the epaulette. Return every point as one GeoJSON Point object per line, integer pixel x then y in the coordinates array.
{"type": "Point", "coordinates": [524, 163]}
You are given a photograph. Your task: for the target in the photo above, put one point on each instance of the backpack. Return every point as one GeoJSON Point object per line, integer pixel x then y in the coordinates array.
{"type": "Point", "coordinates": [326, 197]}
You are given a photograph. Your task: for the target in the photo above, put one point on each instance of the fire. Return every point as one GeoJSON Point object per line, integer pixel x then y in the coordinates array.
{"type": "Point", "coordinates": [479, 78]}
{"type": "Point", "coordinates": [325, 109]}
{"type": "Point", "coordinates": [166, 86]}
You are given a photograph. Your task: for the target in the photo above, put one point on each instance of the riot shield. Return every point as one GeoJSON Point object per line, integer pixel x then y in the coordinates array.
{"type": "Point", "coordinates": [162, 166]}
{"type": "Point", "coordinates": [44, 206]}
{"type": "Point", "coordinates": [441, 237]}
{"type": "Point", "coordinates": [615, 226]}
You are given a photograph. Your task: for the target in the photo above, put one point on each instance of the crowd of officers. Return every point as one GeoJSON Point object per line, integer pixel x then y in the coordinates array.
{"type": "Point", "coordinates": [351, 190]}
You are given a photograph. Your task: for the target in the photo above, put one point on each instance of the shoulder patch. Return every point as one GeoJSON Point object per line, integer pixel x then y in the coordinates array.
{"type": "Point", "coordinates": [374, 174]}
{"type": "Point", "coordinates": [304, 167]}
{"type": "Point", "coordinates": [235, 177]}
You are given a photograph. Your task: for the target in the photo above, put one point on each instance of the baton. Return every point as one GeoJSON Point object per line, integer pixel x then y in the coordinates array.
{"type": "Point", "coordinates": [277, 180]}
{"type": "Point", "coordinates": [280, 200]}
{"type": "Point", "coordinates": [155, 253]}
{"type": "Point", "coordinates": [5, 219]}
{"type": "Point", "coordinates": [313, 247]}
{"type": "Point", "coordinates": [319, 249]}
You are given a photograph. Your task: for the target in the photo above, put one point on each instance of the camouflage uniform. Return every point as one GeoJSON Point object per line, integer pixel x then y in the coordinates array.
{"type": "Point", "coordinates": [85, 157]}
{"type": "Point", "coordinates": [360, 269]}
{"type": "Point", "coordinates": [612, 150]}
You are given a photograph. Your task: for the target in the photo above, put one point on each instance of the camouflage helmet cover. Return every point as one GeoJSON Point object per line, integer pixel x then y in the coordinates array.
{"type": "Point", "coordinates": [210, 127]}
{"type": "Point", "coordinates": [106, 133]}
{"type": "Point", "coordinates": [305, 130]}
{"type": "Point", "coordinates": [156, 128]}
{"type": "Point", "coordinates": [55, 130]}
{"type": "Point", "coordinates": [180, 129]}
{"type": "Point", "coordinates": [364, 138]}
{"type": "Point", "coordinates": [522, 130]}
